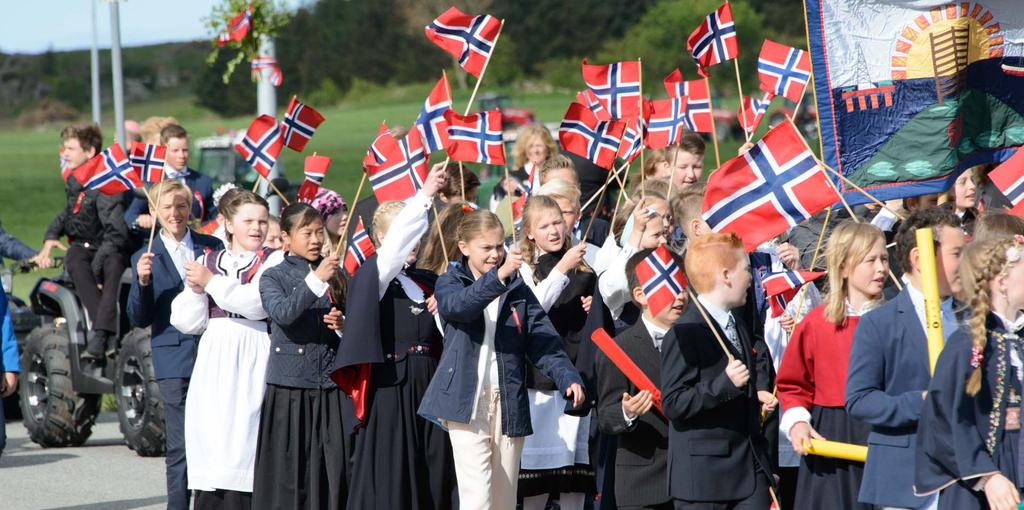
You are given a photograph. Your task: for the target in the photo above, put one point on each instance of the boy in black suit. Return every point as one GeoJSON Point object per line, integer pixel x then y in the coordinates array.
{"type": "Point", "coordinates": [642, 454]}
{"type": "Point", "coordinates": [718, 458]}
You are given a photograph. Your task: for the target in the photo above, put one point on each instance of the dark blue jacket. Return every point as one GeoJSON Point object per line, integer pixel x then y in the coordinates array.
{"type": "Point", "coordinates": [302, 349]}
{"type": "Point", "coordinates": [12, 248]}
{"type": "Point", "coordinates": [8, 342]}
{"type": "Point", "coordinates": [461, 302]}
{"type": "Point", "coordinates": [149, 306]}
{"type": "Point", "coordinates": [888, 372]}
{"type": "Point", "coordinates": [204, 209]}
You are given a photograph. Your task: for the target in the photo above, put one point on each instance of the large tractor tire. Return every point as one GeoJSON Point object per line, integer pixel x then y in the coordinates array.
{"type": "Point", "coordinates": [139, 408]}
{"type": "Point", "coordinates": [52, 412]}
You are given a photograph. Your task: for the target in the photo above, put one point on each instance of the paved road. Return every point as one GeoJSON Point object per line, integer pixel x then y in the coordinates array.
{"type": "Point", "coordinates": [101, 475]}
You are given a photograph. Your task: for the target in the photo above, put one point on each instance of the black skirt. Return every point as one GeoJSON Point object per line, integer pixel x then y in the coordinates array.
{"type": "Point", "coordinates": [401, 459]}
{"type": "Point", "coordinates": [834, 480]}
{"type": "Point", "coordinates": [575, 478]}
{"type": "Point", "coordinates": [303, 449]}
{"type": "Point", "coordinates": [222, 499]}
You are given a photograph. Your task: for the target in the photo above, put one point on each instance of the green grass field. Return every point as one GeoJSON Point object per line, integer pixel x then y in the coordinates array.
{"type": "Point", "coordinates": [33, 192]}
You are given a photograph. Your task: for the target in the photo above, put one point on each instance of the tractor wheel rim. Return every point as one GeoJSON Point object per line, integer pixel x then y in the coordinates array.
{"type": "Point", "coordinates": [37, 388]}
{"type": "Point", "coordinates": [132, 398]}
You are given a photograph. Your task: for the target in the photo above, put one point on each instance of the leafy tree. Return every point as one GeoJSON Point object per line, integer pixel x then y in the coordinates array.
{"type": "Point", "coordinates": [237, 97]}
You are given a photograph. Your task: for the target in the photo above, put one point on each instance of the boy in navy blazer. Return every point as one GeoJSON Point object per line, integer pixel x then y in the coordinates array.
{"type": "Point", "coordinates": [889, 373]}
{"type": "Point", "coordinates": [175, 137]}
{"type": "Point", "coordinates": [157, 277]}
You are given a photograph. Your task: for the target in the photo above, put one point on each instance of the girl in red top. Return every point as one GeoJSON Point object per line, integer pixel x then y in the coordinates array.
{"type": "Point", "coordinates": [812, 374]}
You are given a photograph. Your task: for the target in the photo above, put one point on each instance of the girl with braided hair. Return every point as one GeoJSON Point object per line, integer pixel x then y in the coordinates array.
{"type": "Point", "coordinates": [968, 434]}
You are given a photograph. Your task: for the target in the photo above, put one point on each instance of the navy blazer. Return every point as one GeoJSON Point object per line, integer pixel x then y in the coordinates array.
{"type": "Point", "coordinates": [523, 332]}
{"type": "Point", "coordinates": [204, 209]}
{"type": "Point", "coordinates": [887, 376]}
{"type": "Point", "coordinates": [149, 306]}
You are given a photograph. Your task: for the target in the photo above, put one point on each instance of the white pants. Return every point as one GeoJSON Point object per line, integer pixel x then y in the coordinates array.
{"type": "Point", "coordinates": [486, 462]}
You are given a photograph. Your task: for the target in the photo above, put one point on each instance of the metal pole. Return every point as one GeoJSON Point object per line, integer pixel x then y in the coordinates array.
{"type": "Point", "coordinates": [266, 104]}
{"type": "Point", "coordinates": [94, 64]}
{"type": "Point", "coordinates": [115, 66]}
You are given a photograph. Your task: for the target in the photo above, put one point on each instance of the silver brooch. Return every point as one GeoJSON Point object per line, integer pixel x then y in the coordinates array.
{"type": "Point", "coordinates": [415, 309]}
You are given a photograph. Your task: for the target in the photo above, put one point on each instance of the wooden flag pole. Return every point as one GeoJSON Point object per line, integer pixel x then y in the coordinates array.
{"type": "Point", "coordinates": [511, 208]}
{"type": "Point", "coordinates": [606, 184]}
{"type": "Point", "coordinates": [256, 185]}
{"type": "Point", "coordinates": [672, 175]}
{"type": "Point", "coordinates": [711, 325]}
{"type": "Point", "coordinates": [440, 234]}
{"type": "Point", "coordinates": [462, 181]}
{"type": "Point", "coordinates": [155, 215]}
{"type": "Point", "coordinates": [283, 198]}
{"type": "Point", "coordinates": [348, 219]}
{"type": "Point", "coordinates": [590, 224]}
{"type": "Point", "coordinates": [615, 211]}
{"type": "Point", "coordinates": [714, 132]}
{"type": "Point", "coordinates": [640, 101]}
{"type": "Point", "coordinates": [743, 107]}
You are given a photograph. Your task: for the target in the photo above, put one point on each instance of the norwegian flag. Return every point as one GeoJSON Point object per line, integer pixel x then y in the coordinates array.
{"type": "Point", "coordinates": [359, 249]}
{"type": "Point", "coordinates": [475, 137]}
{"type": "Point", "coordinates": [772, 187]}
{"type": "Point", "coordinates": [780, 288]}
{"type": "Point", "coordinates": [783, 70]}
{"type": "Point", "coordinates": [238, 27]}
{"type": "Point", "coordinates": [752, 110]}
{"type": "Point", "coordinates": [403, 171]}
{"type": "Point", "coordinates": [582, 134]}
{"type": "Point", "coordinates": [1009, 178]}
{"type": "Point", "coordinates": [661, 279]}
{"type": "Point", "coordinates": [667, 122]}
{"type": "Point", "coordinates": [262, 62]}
{"type": "Point", "coordinates": [588, 99]}
{"type": "Point", "coordinates": [634, 137]}
{"type": "Point", "coordinates": [262, 144]}
{"type": "Point", "coordinates": [470, 39]}
{"type": "Point", "coordinates": [616, 86]}
{"type": "Point", "coordinates": [315, 169]}
{"type": "Point", "coordinates": [517, 211]}
{"type": "Point", "coordinates": [430, 123]}
{"type": "Point", "coordinates": [65, 167]}
{"type": "Point", "coordinates": [300, 122]}
{"type": "Point", "coordinates": [698, 100]}
{"type": "Point", "coordinates": [714, 40]}
{"type": "Point", "coordinates": [110, 172]}
{"type": "Point", "coordinates": [148, 160]}
{"type": "Point", "coordinates": [381, 145]}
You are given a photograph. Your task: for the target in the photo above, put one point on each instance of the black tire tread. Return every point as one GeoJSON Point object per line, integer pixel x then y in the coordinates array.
{"type": "Point", "coordinates": [148, 440]}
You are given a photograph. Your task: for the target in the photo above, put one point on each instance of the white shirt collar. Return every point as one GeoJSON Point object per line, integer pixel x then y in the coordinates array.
{"type": "Point", "coordinates": [1011, 326]}
{"type": "Point", "coordinates": [917, 297]}
{"type": "Point", "coordinates": [719, 315]}
{"type": "Point", "coordinates": [653, 329]}
{"type": "Point", "coordinates": [864, 308]}
{"type": "Point", "coordinates": [171, 244]}
{"type": "Point", "coordinates": [175, 173]}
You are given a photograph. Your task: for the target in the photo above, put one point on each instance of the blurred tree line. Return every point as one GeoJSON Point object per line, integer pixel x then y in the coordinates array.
{"type": "Point", "coordinates": [330, 45]}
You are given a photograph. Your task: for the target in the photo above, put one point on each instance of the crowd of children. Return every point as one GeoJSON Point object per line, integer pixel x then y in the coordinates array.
{"type": "Point", "coordinates": [457, 370]}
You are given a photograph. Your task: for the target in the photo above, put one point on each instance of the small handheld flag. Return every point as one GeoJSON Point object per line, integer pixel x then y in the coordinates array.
{"type": "Point", "coordinates": [774, 186]}
{"type": "Point", "coordinates": [109, 172]}
{"type": "Point", "coordinates": [315, 169]}
{"type": "Point", "coordinates": [1009, 179]}
{"type": "Point", "coordinates": [667, 122]}
{"type": "Point", "coordinates": [781, 288]}
{"type": "Point", "coordinates": [661, 279]}
{"type": "Point", "coordinates": [588, 99]}
{"type": "Point", "coordinates": [262, 62]}
{"type": "Point", "coordinates": [582, 134]}
{"type": "Point", "coordinates": [262, 144]}
{"type": "Point", "coordinates": [148, 160]}
{"type": "Point", "coordinates": [752, 111]}
{"type": "Point", "coordinates": [238, 27]}
{"type": "Point", "coordinates": [381, 145]}
{"type": "Point", "coordinates": [300, 122]}
{"type": "Point", "coordinates": [403, 171]}
{"type": "Point", "coordinates": [431, 124]}
{"type": "Point", "coordinates": [698, 100]}
{"type": "Point", "coordinates": [714, 40]}
{"type": "Point", "coordinates": [470, 39]}
{"type": "Point", "coordinates": [476, 137]}
{"type": "Point", "coordinates": [616, 86]}
{"type": "Point", "coordinates": [634, 137]}
{"type": "Point", "coordinates": [783, 70]}
{"type": "Point", "coordinates": [360, 248]}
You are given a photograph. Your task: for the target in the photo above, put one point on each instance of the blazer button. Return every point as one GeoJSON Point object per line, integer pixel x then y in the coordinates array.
{"type": "Point", "coordinates": [300, 350]}
{"type": "Point", "coordinates": [450, 370]}
{"type": "Point", "coordinates": [277, 349]}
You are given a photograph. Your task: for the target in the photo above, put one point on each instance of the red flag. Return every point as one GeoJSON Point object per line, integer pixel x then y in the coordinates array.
{"type": "Point", "coordinates": [634, 137]}
{"type": "Point", "coordinates": [470, 39]}
{"type": "Point", "coordinates": [783, 70]}
{"type": "Point", "coordinates": [431, 124]}
{"type": "Point", "coordinates": [588, 99]}
{"type": "Point", "coordinates": [752, 111]}
{"type": "Point", "coordinates": [582, 134]}
{"type": "Point", "coordinates": [148, 160]}
{"type": "Point", "coordinates": [475, 137]}
{"type": "Point", "coordinates": [382, 145]}
{"type": "Point", "coordinates": [698, 100]}
{"type": "Point", "coordinates": [616, 86]}
{"type": "Point", "coordinates": [621, 360]}
{"type": "Point", "coordinates": [360, 248]}
{"type": "Point", "coordinates": [110, 172]}
{"type": "Point", "coordinates": [714, 40]}
{"type": "Point", "coordinates": [1009, 178]}
{"type": "Point", "coordinates": [238, 27]}
{"type": "Point", "coordinates": [667, 122]}
{"type": "Point", "coordinates": [300, 122]}
{"type": "Point", "coordinates": [262, 144]}
{"type": "Point", "coordinates": [661, 279]}
{"type": "Point", "coordinates": [772, 187]}
{"type": "Point", "coordinates": [315, 169]}
{"type": "Point", "coordinates": [261, 62]}
{"type": "Point", "coordinates": [780, 288]}
{"type": "Point", "coordinates": [403, 171]}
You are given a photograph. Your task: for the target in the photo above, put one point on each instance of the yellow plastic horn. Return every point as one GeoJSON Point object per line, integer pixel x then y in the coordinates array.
{"type": "Point", "coordinates": [930, 289]}
{"type": "Point", "coordinates": [837, 450]}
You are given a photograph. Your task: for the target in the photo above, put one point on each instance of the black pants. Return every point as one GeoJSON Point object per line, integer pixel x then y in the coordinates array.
{"type": "Point", "coordinates": [173, 392]}
{"type": "Point", "coordinates": [758, 500]}
{"type": "Point", "coordinates": [101, 304]}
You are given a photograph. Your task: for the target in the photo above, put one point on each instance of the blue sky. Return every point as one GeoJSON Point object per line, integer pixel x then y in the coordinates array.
{"type": "Point", "coordinates": [34, 26]}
